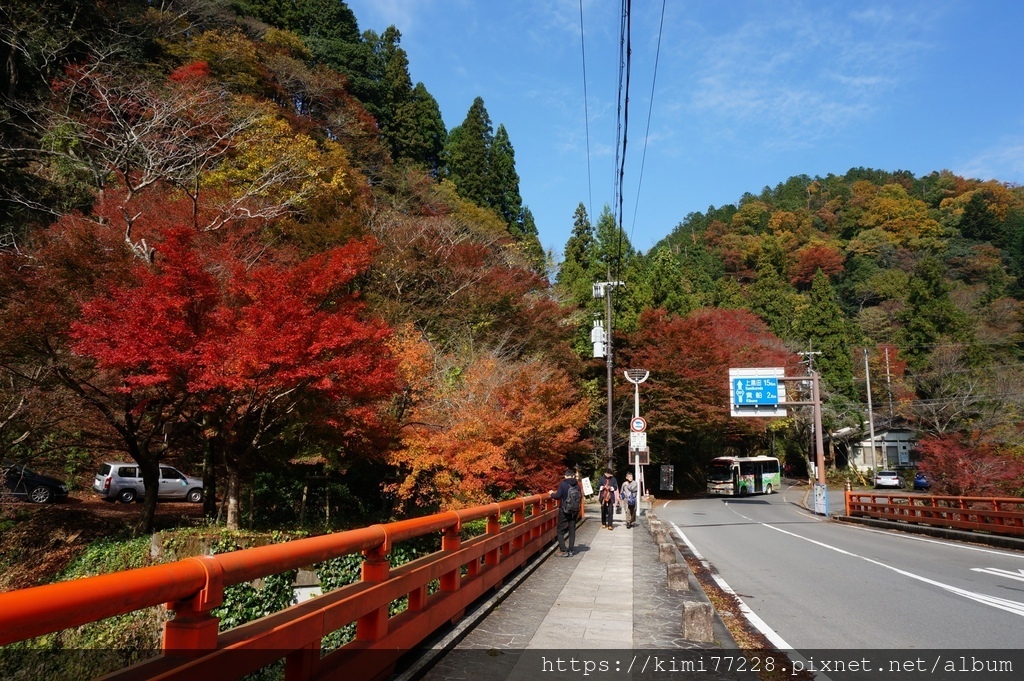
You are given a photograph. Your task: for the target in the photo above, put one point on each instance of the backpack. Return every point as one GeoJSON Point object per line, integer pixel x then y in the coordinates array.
{"type": "Point", "coordinates": [571, 501]}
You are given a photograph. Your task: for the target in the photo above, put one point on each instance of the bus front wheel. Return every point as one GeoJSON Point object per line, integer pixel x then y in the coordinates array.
{"type": "Point", "coordinates": [768, 489]}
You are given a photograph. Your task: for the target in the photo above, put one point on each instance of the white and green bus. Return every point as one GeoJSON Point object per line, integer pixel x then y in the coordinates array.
{"type": "Point", "coordinates": [742, 475]}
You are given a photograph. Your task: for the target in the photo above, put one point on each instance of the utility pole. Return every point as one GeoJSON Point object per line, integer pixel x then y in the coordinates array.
{"type": "Point", "coordinates": [603, 289]}
{"type": "Point", "coordinates": [871, 413]}
{"type": "Point", "coordinates": [888, 382]}
{"type": "Point", "coordinates": [816, 437]}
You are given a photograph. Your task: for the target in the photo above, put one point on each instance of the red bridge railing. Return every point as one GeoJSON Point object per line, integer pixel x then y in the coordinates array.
{"type": "Point", "coordinates": [194, 648]}
{"type": "Point", "coordinates": [996, 515]}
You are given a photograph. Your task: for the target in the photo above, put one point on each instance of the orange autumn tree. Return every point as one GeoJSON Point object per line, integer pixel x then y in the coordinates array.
{"type": "Point", "coordinates": [472, 435]}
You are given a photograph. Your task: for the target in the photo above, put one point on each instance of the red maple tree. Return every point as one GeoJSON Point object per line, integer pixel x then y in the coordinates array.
{"type": "Point", "coordinates": [813, 257]}
{"type": "Point", "coordinates": [689, 359]}
{"type": "Point", "coordinates": [956, 468]}
{"type": "Point", "coordinates": [252, 345]}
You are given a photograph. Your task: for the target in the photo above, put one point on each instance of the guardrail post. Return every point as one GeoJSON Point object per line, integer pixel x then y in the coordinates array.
{"type": "Point", "coordinates": [376, 568]}
{"type": "Point", "coordinates": [193, 629]}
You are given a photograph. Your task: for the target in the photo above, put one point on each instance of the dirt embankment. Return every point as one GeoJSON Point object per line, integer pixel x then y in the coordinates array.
{"type": "Point", "coordinates": [38, 541]}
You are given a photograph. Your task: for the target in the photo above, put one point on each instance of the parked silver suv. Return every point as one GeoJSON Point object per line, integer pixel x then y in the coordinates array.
{"type": "Point", "coordinates": [123, 482]}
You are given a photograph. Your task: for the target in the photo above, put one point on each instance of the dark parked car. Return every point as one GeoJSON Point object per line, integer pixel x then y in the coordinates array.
{"type": "Point", "coordinates": [25, 483]}
{"type": "Point", "coordinates": [921, 481]}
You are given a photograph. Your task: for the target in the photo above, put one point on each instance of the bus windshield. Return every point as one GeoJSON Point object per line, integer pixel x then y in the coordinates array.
{"type": "Point", "coordinates": [720, 471]}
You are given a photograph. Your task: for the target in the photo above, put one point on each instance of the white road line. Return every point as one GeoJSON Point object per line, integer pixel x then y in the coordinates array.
{"type": "Point", "coordinates": [1014, 607]}
{"type": "Point", "coordinates": [751, 616]}
{"type": "Point", "coordinates": [999, 572]}
{"type": "Point", "coordinates": [940, 542]}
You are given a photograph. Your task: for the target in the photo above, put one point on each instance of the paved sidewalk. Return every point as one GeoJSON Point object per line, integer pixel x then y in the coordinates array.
{"type": "Point", "coordinates": [609, 598]}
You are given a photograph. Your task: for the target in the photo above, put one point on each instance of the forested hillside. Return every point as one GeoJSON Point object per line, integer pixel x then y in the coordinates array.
{"type": "Point", "coordinates": [235, 236]}
{"type": "Point", "coordinates": [920, 276]}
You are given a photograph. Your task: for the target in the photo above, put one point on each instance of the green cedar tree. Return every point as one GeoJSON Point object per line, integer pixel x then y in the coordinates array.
{"type": "Point", "coordinates": [822, 324]}
{"type": "Point", "coordinates": [930, 317]}
{"type": "Point", "coordinates": [468, 155]}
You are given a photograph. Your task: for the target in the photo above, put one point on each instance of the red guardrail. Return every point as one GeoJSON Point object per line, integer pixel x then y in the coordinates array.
{"type": "Point", "coordinates": [194, 648]}
{"type": "Point", "coordinates": [997, 515]}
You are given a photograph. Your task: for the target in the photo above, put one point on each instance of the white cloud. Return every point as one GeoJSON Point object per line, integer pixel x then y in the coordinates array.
{"type": "Point", "coordinates": [805, 75]}
{"type": "Point", "coordinates": [1003, 162]}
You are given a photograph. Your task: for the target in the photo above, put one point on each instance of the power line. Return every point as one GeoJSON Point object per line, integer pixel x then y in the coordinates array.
{"type": "Point", "coordinates": [647, 133]}
{"type": "Point", "coordinates": [586, 114]}
{"type": "Point", "coordinates": [622, 118]}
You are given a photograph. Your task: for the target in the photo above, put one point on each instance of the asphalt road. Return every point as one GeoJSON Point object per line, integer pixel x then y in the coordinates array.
{"type": "Point", "coordinates": [818, 584]}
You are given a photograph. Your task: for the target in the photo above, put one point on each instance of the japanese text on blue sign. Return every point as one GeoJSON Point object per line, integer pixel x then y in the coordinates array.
{"type": "Point", "coordinates": [755, 390]}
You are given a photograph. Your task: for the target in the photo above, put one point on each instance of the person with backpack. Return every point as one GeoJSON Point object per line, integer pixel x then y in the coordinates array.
{"type": "Point", "coordinates": [608, 495]}
{"type": "Point", "coordinates": [628, 494]}
{"type": "Point", "coordinates": [571, 498]}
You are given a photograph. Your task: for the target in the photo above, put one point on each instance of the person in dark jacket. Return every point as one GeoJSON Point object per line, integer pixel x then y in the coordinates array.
{"type": "Point", "coordinates": [566, 529]}
{"type": "Point", "coordinates": [608, 495]}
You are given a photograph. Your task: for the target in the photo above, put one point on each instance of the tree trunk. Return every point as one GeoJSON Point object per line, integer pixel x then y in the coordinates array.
{"type": "Point", "coordinates": [231, 493]}
{"type": "Point", "coordinates": [209, 481]}
{"type": "Point", "coordinates": [151, 483]}
{"type": "Point", "coordinates": [302, 504]}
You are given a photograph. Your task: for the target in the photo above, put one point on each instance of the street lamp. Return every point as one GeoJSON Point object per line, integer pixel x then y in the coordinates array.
{"type": "Point", "coordinates": [636, 377]}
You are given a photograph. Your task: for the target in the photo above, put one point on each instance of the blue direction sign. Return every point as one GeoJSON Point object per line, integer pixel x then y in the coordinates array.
{"type": "Point", "coordinates": [756, 390]}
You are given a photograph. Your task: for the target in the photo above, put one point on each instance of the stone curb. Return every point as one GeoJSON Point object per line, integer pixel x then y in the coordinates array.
{"type": "Point", "coordinates": [699, 621]}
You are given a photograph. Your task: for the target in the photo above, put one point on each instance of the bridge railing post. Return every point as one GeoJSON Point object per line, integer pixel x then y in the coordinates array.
{"type": "Point", "coordinates": [519, 517]}
{"type": "Point", "coordinates": [376, 568]}
{"type": "Point", "coordinates": [193, 629]}
{"type": "Point", "coordinates": [493, 527]}
{"type": "Point", "coordinates": [451, 541]}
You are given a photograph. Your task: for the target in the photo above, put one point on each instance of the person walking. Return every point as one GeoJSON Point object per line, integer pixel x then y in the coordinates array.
{"type": "Point", "coordinates": [628, 496]}
{"type": "Point", "coordinates": [608, 495]}
{"type": "Point", "coordinates": [571, 499]}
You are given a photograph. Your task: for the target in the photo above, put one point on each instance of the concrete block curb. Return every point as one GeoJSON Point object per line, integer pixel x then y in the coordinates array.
{"type": "Point", "coordinates": [697, 619]}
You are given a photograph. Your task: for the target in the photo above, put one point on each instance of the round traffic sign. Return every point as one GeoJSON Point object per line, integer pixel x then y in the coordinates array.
{"type": "Point", "coordinates": [638, 425]}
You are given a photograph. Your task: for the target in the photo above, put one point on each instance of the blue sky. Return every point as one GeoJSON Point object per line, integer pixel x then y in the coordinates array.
{"type": "Point", "coordinates": [747, 93]}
